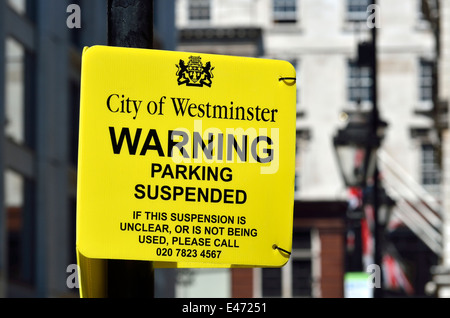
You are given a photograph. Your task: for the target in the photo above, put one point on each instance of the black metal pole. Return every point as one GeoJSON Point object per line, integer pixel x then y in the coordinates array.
{"type": "Point", "coordinates": [378, 292]}
{"type": "Point", "coordinates": [130, 24]}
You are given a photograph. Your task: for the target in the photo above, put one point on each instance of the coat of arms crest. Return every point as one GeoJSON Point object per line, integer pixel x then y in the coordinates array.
{"type": "Point", "coordinates": [194, 73]}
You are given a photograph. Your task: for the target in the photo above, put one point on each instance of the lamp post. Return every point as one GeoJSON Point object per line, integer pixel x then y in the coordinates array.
{"type": "Point", "coordinates": [357, 143]}
{"type": "Point", "coordinates": [356, 148]}
{"type": "Point", "coordinates": [378, 257]}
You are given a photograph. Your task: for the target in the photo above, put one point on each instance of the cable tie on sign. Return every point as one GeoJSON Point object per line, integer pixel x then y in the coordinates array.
{"type": "Point", "coordinates": [276, 247]}
{"type": "Point", "coordinates": [288, 79]}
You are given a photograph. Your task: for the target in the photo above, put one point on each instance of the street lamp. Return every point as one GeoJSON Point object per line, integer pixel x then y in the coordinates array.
{"type": "Point", "coordinates": [356, 146]}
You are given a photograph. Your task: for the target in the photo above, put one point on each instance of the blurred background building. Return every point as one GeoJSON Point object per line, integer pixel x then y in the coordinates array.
{"type": "Point", "coordinates": [39, 89]}
{"type": "Point", "coordinates": [321, 39]}
{"type": "Point", "coordinates": [333, 231]}
{"type": "Point", "coordinates": [39, 109]}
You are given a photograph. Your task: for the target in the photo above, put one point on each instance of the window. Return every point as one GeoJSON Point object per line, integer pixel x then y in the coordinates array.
{"type": "Point", "coordinates": [20, 220]}
{"type": "Point", "coordinates": [297, 277]}
{"type": "Point", "coordinates": [271, 282]}
{"type": "Point", "coordinates": [430, 169]}
{"type": "Point", "coordinates": [15, 91]}
{"type": "Point", "coordinates": [357, 10]}
{"type": "Point", "coordinates": [285, 11]}
{"type": "Point", "coordinates": [360, 81]}
{"type": "Point", "coordinates": [301, 263]}
{"type": "Point", "coordinates": [19, 93]}
{"type": "Point", "coordinates": [426, 80]}
{"type": "Point", "coordinates": [199, 10]}
{"type": "Point", "coordinates": [301, 278]}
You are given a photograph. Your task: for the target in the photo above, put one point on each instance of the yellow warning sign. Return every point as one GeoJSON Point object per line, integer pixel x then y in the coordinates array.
{"type": "Point", "coordinates": [185, 158]}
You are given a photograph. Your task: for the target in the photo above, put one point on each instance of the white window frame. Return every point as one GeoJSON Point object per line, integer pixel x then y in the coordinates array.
{"type": "Point", "coordinates": [282, 11]}
{"type": "Point", "coordinates": [199, 10]}
{"type": "Point", "coordinates": [359, 84]}
{"type": "Point", "coordinates": [430, 171]}
{"type": "Point", "coordinates": [357, 15]}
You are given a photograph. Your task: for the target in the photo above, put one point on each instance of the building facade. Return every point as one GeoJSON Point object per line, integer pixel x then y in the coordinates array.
{"type": "Point", "coordinates": [321, 39]}
{"type": "Point", "coordinates": [40, 52]}
{"type": "Point", "coordinates": [39, 86]}
{"type": "Point", "coordinates": [439, 14]}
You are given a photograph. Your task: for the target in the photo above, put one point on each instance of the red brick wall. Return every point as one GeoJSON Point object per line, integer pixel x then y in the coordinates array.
{"type": "Point", "coordinates": [332, 263]}
{"type": "Point", "coordinates": [241, 282]}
